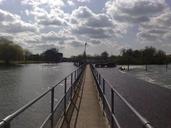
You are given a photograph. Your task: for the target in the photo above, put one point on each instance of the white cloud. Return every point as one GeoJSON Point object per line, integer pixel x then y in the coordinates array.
{"type": "Point", "coordinates": [53, 21]}
{"type": "Point", "coordinates": [16, 27]}
{"type": "Point", "coordinates": [8, 17]}
{"type": "Point", "coordinates": [83, 1]}
{"type": "Point", "coordinates": [38, 12]}
{"type": "Point", "coordinates": [51, 3]}
{"type": "Point", "coordinates": [65, 24]}
{"type": "Point", "coordinates": [91, 25]}
{"type": "Point", "coordinates": [55, 37]}
{"type": "Point", "coordinates": [76, 43]}
{"type": "Point", "coordinates": [27, 12]}
{"type": "Point", "coordinates": [157, 29]}
{"type": "Point", "coordinates": [55, 17]}
{"type": "Point", "coordinates": [71, 3]}
{"type": "Point", "coordinates": [95, 42]}
{"type": "Point", "coordinates": [7, 35]}
{"type": "Point", "coordinates": [12, 23]}
{"type": "Point", "coordinates": [1, 1]}
{"type": "Point", "coordinates": [134, 11]}
{"type": "Point", "coordinates": [82, 12]}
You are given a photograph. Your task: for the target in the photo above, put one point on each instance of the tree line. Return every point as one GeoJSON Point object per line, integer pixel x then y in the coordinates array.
{"type": "Point", "coordinates": [11, 52]}
{"type": "Point", "coordinates": [148, 55]}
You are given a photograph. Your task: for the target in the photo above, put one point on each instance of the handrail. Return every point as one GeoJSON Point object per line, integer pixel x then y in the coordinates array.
{"type": "Point", "coordinates": [142, 119]}
{"type": "Point", "coordinates": [6, 121]}
{"type": "Point", "coordinates": [16, 113]}
{"type": "Point", "coordinates": [98, 77]}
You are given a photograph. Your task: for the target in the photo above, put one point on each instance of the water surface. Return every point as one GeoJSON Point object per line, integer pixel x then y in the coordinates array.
{"type": "Point", "coordinates": [156, 74]}
{"type": "Point", "coordinates": [147, 91]}
{"type": "Point", "coordinates": [20, 84]}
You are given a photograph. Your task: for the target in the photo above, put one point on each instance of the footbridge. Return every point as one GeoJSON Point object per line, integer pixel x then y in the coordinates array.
{"type": "Point", "coordinates": [88, 101]}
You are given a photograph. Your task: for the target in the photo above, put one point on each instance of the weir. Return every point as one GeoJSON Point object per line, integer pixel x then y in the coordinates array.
{"type": "Point", "coordinates": [88, 102]}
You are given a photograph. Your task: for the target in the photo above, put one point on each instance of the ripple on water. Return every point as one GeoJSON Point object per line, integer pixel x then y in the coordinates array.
{"type": "Point", "coordinates": [156, 74]}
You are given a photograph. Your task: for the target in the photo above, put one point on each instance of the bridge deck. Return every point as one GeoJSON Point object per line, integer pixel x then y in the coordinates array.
{"type": "Point", "coordinates": [90, 114]}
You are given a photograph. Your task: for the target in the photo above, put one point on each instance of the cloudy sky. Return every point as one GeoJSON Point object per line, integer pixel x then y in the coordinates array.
{"type": "Point", "coordinates": [106, 25]}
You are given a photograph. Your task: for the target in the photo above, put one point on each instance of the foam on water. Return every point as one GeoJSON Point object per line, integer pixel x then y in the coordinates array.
{"type": "Point", "coordinates": [156, 74]}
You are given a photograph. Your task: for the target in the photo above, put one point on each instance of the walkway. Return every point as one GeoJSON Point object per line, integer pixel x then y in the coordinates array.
{"type": "Point", "coordinates": [90, 114]}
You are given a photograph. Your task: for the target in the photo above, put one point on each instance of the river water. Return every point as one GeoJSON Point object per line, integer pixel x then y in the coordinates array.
{"type": "Point", "coordinates": [149, 92]}
{"type": "Point", "coordinates": [155, 74]}
{"type": "Point", "coordinates": [19, 85]}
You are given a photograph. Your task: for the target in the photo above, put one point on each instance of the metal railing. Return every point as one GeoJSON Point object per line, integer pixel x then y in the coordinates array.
{"type": "Point", "coordinates": [108, 101]}
{"type": "Point", "coordinates": [56, 112]}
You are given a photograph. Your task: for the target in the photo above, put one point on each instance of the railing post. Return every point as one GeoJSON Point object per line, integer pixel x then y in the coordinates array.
{"type": "Point", "coordinates": [65, 90]}
{"type": "Point", "coordinates": [99, 79]}
{"type": "Point", "coordinates": [112, 107]}
{"type": "Point", "coordinates": [52, 106]}
{"type": "Point", "coordinates": [103, 86]}
{"type": "Point", "coordinates": [75, 75]}
{"type": "Point", "coordinates": [71, 85]}
{"type": "Point", "coordinates": [79, 71]}
{"type": "Point", "coordinates": [112, 100]}
{"type": "Point", "coordinates": [96, 75]}
{"type": "Point", "coordinates": [103, 94]}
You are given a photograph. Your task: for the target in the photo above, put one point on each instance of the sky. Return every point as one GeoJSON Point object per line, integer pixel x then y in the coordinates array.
{"type": "Point", "coordinates": [106, 25]}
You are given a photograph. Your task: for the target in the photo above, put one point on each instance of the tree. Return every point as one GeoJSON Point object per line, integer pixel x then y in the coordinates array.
{"type": "Point", "coordinates": [149, 54]}
{"type": "Point", "coordinates": [127, 56]}
{"type": "Point", "coordinates": [52, 55]}
{"type": "Point", "coordinates": [27, 54]}
{"type": "Point", "coordinates": [161, 57]}
{"type": "Point", "coordinates": [10, 51]}
{"type": "Point", "coordinates": [104, 55]}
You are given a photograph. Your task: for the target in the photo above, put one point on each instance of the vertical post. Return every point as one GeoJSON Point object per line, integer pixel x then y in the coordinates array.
{"type": "Point", "coordinates": [71, 79]}
{"type": "Point", "coordinates": [146, 67]}
{"type": "Point", "coordinates": [128, 67]}
{"type": "Point", "coordinates": [78, 72]}
{"type": "Point", "coordinates": [99, 79]}
{"type": "Point", "coordinates": [112, 100]}
{"type": "Point", "coordinates": [75, 75]}
{"type": "Point", "coordinates": [103, 86]}
{"type": "Point", "coordinates": [96, 75]}
{"type": "Point", "coordinates": [103, 94]}
{"type": "Point", "coordinates": [166, 67]}
{"type": "Point", "coordinates": [65, 90]}
{"type": "Point", "coordinates": [71, 85]}
{"type": "Point", "coordinates": [112, 107]}
{"type": "Point", "coordinates": [52, 106]}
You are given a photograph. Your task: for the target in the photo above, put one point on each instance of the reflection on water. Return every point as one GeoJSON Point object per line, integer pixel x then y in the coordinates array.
{"type": "Point", "coordinates": [156, 74]}
{"type": "Point", "coordinates": [18, 85]}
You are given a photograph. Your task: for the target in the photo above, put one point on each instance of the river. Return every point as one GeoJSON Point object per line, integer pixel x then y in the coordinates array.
{"type": "Point", "coordinates": [20, 84]}
{"type": "Point", "coordinates": [149, 92]}
{"type": "Point", "coordinates": [156, 74]}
